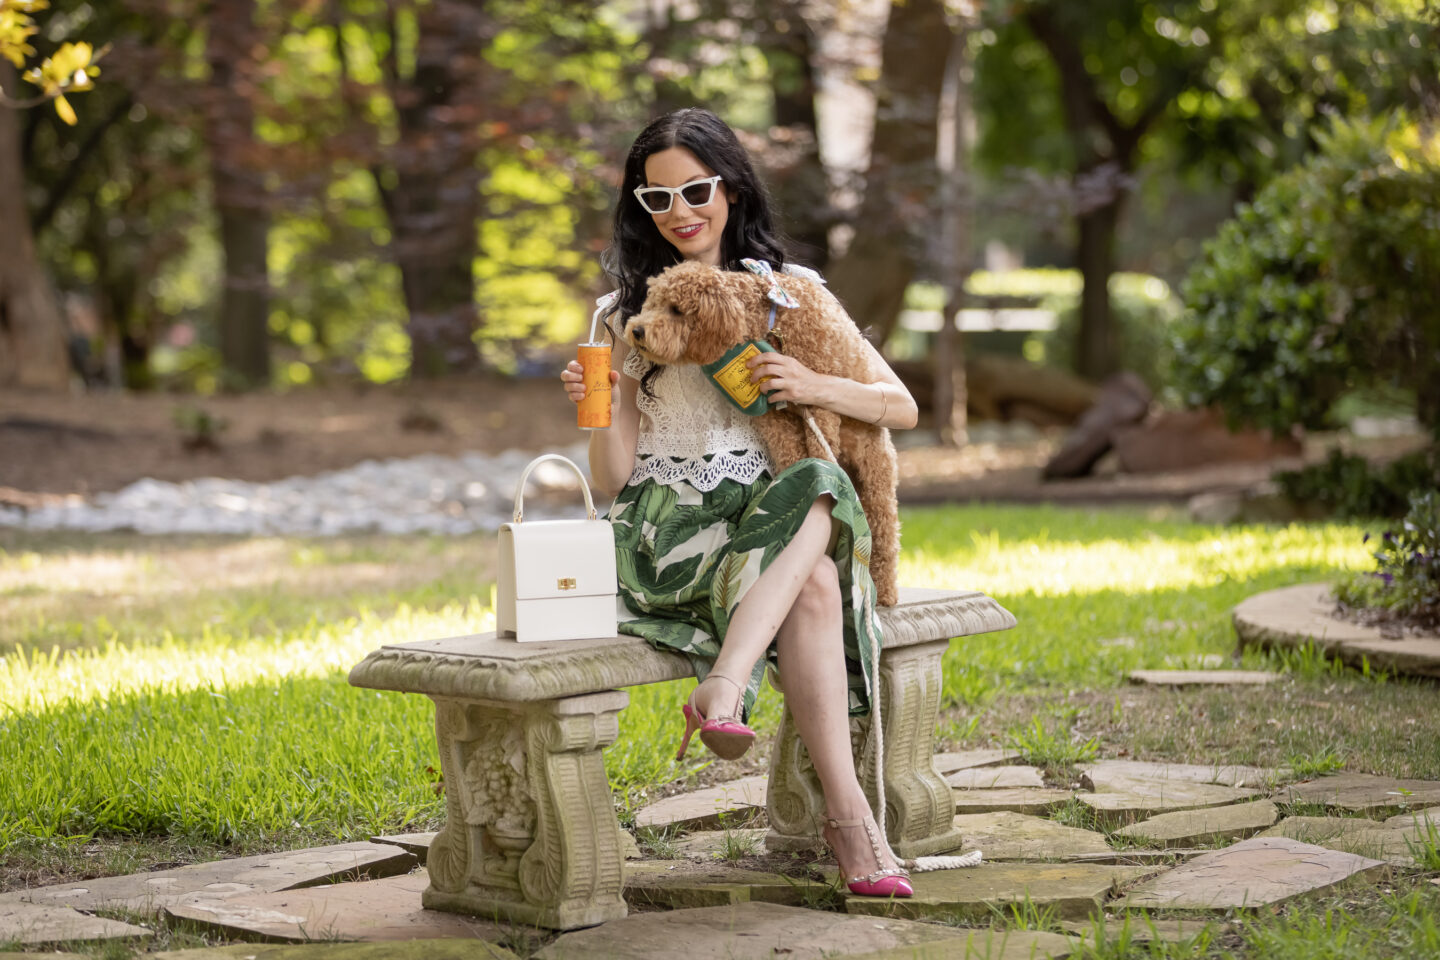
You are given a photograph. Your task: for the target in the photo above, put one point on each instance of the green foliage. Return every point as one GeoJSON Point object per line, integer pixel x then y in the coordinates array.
{"type": "Point", "coordinates": [1053, 745]}
{"type": "Point", "coordinates": [1350, 487]}
{"type": "Point", "coordinates": [1315, 763]}
{"type": "Point", "coordinates": [1406, 581]}
{"type": "Point", "coordinates": [1285, 310]}
{"type": "Point", "coordinates": [1425, 848]}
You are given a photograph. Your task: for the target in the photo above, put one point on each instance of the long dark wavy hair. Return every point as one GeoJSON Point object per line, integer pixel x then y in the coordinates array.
{"type": "Point", "coordinates": [638, 251]}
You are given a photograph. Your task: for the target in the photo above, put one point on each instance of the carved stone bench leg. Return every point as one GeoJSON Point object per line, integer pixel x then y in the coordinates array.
{"type": "Point", "coordinates": [919, 804]}
{"type": "Point", "coordinates": [530, 833]}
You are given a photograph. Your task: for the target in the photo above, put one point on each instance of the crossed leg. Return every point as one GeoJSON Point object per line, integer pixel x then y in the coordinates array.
{"type": "Point", "coordinates": [797, 601]}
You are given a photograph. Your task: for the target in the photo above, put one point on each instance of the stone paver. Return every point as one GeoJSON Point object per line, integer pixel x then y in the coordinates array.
{"type": "Point", "coordinates": [1103, 773]}
{"type": "Point", "coordinates": [1122, 800]}
{"type": "Point", "coordinates": [715, 844]}
{"type": "Point", "coordinates": [1422, 820]}
{"type": "Point", "coordinates": [416, 843]}
{"type": "Point", "coordinates": [1072, 891]}
{"type": "Point", "coordinates": [1202, 678]}
{"type": "Point", "coordinates": [1200, 826]}
{"type": "Point", "coordinates": [1375, 797]}
{"type": "Point", "coordinates": [984, 945]}
{"type": "Point", "coordinates": [1298, 615]}
{"type": "Point", "coordinates": [1035, 802]}
{"type": "Point", "coordinates": [994, 778]}
{"type": "Point", "coordinates": [1013, 836]}
{"type": "Point", "coordinates": [1252, 873]}
{"type": "Point", "coordinates": [967, 759]}
{"type": "Point", "coordinates": [268, 873]}
{"type": "Point", "coordinates": [737, 800]}
{"type": "Point", "coordinates": [369, 910]}
{"type": "Point", "coordinates": [413, 950]}
{"type": "Point", "coordinates": [744, 931]}
{"type": "Point", "coordinates": [1352, 835]}
{"type": "Point", "coordinates": [682, 883]}
{"type": "Point", "coordinates": [32, 925]}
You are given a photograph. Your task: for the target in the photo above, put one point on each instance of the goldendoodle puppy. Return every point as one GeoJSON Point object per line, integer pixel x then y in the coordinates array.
{"type": "Point", "coordinates": [694, 314]}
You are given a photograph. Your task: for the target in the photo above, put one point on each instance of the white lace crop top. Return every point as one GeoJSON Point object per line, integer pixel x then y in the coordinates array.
{"type": "Point", "coordinates": [689, 432]}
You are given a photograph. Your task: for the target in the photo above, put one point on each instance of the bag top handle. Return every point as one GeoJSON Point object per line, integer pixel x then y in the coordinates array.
{"type": "Point", "coordinates": [520, 487]}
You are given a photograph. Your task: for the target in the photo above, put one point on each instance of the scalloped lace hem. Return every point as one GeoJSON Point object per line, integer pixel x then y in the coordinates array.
{"type": "Point", "coordinates": [744, 466]}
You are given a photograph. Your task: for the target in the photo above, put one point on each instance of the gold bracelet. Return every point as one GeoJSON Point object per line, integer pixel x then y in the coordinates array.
{"type": "Point", "coordinates": [884, 403]}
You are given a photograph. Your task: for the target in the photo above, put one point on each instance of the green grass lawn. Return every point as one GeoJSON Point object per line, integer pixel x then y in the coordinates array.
{"type": "Point", "coordinates": [178, 698]}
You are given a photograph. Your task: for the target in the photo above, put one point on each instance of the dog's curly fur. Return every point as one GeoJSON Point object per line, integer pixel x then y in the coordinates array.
{"type": "Point", "coordinates": [694, 313]}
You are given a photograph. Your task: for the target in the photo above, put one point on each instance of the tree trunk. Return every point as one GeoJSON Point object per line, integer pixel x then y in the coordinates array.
{"type": "Point", "coordinates": [435, 201]}
{"type": "Point", "coordinates": [901, 182]}
{"type": "Point", "coordinates": [801, 188]}
{"type": "Point", "coordinates": [1096, 349]}
{"type": "Point", "coordinates": [952, 160]}
{"type": "Point", "coordinates": [32, 331]}
{"type": "Point", "coordinates": [240, 201]}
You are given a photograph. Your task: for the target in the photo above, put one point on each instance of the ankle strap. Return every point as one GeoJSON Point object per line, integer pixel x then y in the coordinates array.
{"type": "Point", "coordinates": [832, 822]}
{"type": "Point", "coordinates": [721, 676]}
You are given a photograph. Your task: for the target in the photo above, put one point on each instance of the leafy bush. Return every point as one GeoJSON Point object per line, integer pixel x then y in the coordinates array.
{"type": "Point", "coordinates": [1349, 487]}
{"type": "Point", "coordinates": [1328, 281]}
{"type": "Point", "coordinates": [1406, 582]}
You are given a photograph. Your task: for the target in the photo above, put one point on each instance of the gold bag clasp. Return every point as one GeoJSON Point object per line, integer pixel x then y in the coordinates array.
{"type": "Point", "coordinates": [566, 583]}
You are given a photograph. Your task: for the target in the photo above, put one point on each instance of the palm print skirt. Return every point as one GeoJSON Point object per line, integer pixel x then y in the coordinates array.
{"type": "Point", "coordinates": [686, 559]}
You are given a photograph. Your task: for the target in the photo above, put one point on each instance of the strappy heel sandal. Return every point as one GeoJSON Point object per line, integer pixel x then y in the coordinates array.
{"type": "Point", "coordinates": [726, 736]}
{"type": "Point", "coordinates": [885, 882]}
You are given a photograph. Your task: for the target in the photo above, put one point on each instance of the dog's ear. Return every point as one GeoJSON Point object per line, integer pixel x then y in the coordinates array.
{"type": "Point", "coordinates": [718, 322]}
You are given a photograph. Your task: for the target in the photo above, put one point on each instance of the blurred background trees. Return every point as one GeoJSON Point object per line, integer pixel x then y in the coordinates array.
{"type": "Point", "coordinates": [267, 194]}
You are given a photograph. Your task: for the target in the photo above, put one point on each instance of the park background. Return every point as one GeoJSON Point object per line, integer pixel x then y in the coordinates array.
{"type": "Point", "coordinates": [274, 239]}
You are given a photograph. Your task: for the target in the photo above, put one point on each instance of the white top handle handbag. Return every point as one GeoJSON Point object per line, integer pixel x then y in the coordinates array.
{"type": "Point", "coordinates": [557, 577]}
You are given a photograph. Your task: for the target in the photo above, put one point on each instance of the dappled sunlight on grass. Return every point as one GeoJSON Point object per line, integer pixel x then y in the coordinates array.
{"type": "Point", "coordinates": [32, 680]}
{"type": "Point", "coordinates": [70, 592]}
{"type": "Point", "coordinates": [1059, 561]}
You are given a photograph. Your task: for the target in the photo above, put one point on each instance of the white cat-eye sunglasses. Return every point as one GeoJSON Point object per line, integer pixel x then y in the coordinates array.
{"type": "Point", "coordinates": [696, 193]}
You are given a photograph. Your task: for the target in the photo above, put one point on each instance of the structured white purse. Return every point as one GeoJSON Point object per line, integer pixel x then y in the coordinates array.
{"type": "Point", "coordinates": [556, 577]}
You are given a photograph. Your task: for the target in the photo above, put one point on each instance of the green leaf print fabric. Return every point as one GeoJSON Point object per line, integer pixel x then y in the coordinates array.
{"type": "Point", "coordinates": [686, 559]}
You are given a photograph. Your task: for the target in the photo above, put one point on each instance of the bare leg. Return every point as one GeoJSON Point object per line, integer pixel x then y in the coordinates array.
{"type": "Point", "coordinates": [812, 667]}
{"type": "Point", "coordinates": [765, 608]}
{"type": "Point", "coordinates": [797, 601]}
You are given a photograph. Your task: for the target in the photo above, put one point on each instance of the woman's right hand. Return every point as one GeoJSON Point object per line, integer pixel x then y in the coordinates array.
{"type": "Point", "coordinates": [573, 376]}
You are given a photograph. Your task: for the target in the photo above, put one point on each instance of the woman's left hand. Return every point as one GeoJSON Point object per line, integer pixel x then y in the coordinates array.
{"type": "Point", "coordinates": [793, 381]}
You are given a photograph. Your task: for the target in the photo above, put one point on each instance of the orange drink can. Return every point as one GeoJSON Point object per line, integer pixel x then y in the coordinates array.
{"type": "Point", "coordinates": [593, 412]}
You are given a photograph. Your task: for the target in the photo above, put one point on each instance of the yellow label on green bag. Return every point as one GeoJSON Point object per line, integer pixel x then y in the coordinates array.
{"type": "Point", "coordinates": [731, 374]}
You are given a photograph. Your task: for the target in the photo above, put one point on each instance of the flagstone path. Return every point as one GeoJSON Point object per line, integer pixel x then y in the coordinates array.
{"type": "Point", "coordinates": [721, 894]}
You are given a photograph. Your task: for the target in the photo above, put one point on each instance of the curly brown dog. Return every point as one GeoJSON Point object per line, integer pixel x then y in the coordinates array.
{"type": "Point", "coordinates": [694, 313]}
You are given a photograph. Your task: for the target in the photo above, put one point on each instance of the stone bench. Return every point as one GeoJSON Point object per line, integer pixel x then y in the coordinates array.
{"type": "Point", "coordinates": [530, 831]}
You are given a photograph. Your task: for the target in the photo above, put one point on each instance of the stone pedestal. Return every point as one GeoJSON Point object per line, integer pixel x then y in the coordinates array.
{"type": "Point", "coordinates": [506, 852]}
{"type": "Point", "coordinates": [919, 804]}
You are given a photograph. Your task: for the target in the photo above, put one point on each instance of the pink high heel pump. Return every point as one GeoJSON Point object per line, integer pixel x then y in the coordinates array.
{"type": "Point", "coordinates": [885, 882]}
{"type": "Point", "coordinates": [726, 736]}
